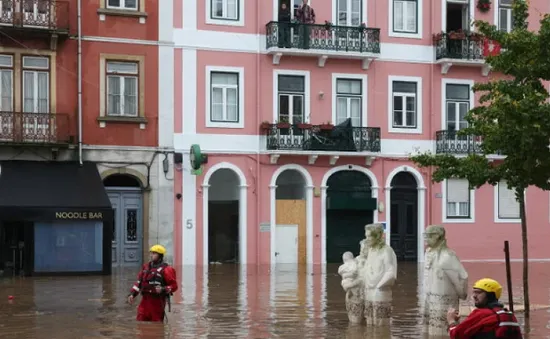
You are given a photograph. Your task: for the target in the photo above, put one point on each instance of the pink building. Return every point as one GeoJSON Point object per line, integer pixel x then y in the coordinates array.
{"type": "Point", "coordinates": [284, 182]}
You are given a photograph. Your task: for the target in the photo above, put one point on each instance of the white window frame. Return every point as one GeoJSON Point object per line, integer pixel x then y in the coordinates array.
{"type": "Point", "coordinates": [497, 218]}
{"type": "Point", "coordinates": [364, 95]}
{"type": "Point", "coordinates": [419, 22]}
{"type": "Point", "coordinates": [222, 21]}
{"type": "Point", "coordinates": [307, 94]}
{"type": "Point", "coordinates": [444, 83]}
{"type": "Point", "coordinates": [35, 71]}
{"type": "Point", "coordinates": [277, 5]}
{"type": "Point", "coordinates": [444, 14]}
{"type": "Point", "coordinates": [455, 220]}
{"type": "Point", "coordinates": [363, 11]}
{"type": "Point", "coordinates": [419, 111]}
{"type": "Point", "coordinates": [240, 98]}
{"type": "Point", "coordinates": [9, 68]}
{"type": "Point", "coordinates": [122, 76]}
{"type": "Point", "coordinates": [122, 6]}
{"type": "Point", "coordinates": [497, 15]}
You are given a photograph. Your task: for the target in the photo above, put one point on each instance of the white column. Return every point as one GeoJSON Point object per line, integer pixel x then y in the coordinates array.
{"type": "Point", "coordinates": [421, 222]}
{"type": "Point", "coordinates": [374, 194]}
{"type": "Point", "coordinates": [205, 224]}
{"type": "Point", "coordinates": [243, 223]}
{"type": "Point", "coordinates": [309, 228]}
{"type": "Point", "coordinates": [243, 298]}
{"type": "Point", "coordinates": [324, 226]}
{"type": "Point", "coordinates": [272, 224]}
{"type": "Point", "coordinates": [387, 194]}
{"type": "Point", "coordinates": [189, 216]}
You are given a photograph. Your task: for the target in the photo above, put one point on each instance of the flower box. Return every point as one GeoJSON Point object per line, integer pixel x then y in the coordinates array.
{"type": "Point", "coordinates": [265, 125]}
{"type": "Point", "coordinates": [303, 126]}
{"type": "Point", "coordinates": [326, 127]}
{"type": "Point", "coordinates": [283, 125]}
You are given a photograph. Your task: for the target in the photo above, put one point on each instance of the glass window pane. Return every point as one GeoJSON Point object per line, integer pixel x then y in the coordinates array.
{"type": "Point", "coordinates": [217, 8]}
{"type": "Point", "coordinates": [398, 7]}
{"type": "Point", "coordinates": [411, 120]}
{"type": "Point", "coordinates": [411, 16]}
{"type": "Point", "coordinates": [458, 92]}
{"type": "Point", "coordinates": [113, 3]}
{"type": "Point", "coordinates": [122, 67]}
{"type": "Point", "coordinates": [451, 114]}
{"type": "Point", "coordinates": [355, 108]}
{"type": "Point", "coordinates": [232, 12]}
{"type": "Point", "coordinates": [219, 78]}
{"type": "Point", "coordinates": [36, 62]}
{"type": "Point", "coordinates": [347, 86]}
{"type": "Point", "coordinates": [341, 109]}
{"type": "Point", "coordinates": [6, 90]}
{"type": "Point", "coordinates": [404, 87]}
{"type": "Point", "coordinates": [397, 103]}
{"type": "Point", "coordinates": [28, 92]}
{"type": "Point", "coordinates": [506, 2]}
{"type": "Point", "coordinates": [217, 112]}
{"type": "Point", "coordinates": [217, 95]}
{"type": "Point", "coordinates": [291, 83]}
{"type": "Point", "coordinates": [232, 114]}
{"type": "Point", "coordinates": [410, 103]}
{"type": "Point", "coordinates": [130, 4]}
{"type": "Point", "coordinates": [297, 106]}
{"type": "Point", "coordinates": [6, 60]}
{"type": "Point", "coordinates": [397, 118]}
{"type": "Point", "coordinates": [284, 104]}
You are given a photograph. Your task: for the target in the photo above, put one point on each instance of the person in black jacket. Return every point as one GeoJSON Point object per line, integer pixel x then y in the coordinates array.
{"type": "Point", "coordinates": [284, 27]}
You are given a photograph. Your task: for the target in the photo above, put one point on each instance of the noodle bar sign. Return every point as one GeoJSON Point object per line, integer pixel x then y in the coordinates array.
{"type": "Point", "coordinates": [79, 215]}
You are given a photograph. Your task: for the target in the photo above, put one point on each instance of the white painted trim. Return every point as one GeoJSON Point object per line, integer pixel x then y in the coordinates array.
{"type": "Point", "coordinates": [243, 300]}
{"type": "Point", "coordinates": [189, 15]}
{"type": "Point", "coordinates": [497, 219]}
{"type": "Point", "coordinates": [444, 217]}
{"type": "Point", "coordinates": [189, 215]}
{"type": "Point", "coordinates": [328, 174]}
{"type": "Point", "coordinates": [419, 22]}
{"type": "Point", "coordinates": [444, 83]}
{"type": "Point", "coordinates": [364, 19]}
{"type": "Point", "coordinates": [419, 110]}
{"type": "Point", "coordinates": [307, 94]}
{"type": "Point", "coordinates": [364, 94]}
{"type": "Point", "coordinates": [308, 181]}
{"type": "Point", "coordinates": [208, 92]}
{"type": "Point", "coordinates": [224, 22]}
{"type": "Point", "coordinates": [189, 95]}
{"type": "Point", "coordinates": [444, 14]}
{"type": "Point", "coordinates": [243, 210]}
{"type": "Point", "coordinates": [421, 189]}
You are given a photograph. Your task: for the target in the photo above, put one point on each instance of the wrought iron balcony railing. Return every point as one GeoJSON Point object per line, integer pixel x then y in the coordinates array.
{"type": "Point", "coordinates": [323, 37]}
{"type": "Point", "coordinates": [34, 128]}
{"type": "Point", "coordinates": [305, 137]}
{"type": "Point", "coordinates": [459, 45]}
{"type": "Point", "coordinates": [35, 14]}
{"type": "Point", "coordinates": [451, 143]}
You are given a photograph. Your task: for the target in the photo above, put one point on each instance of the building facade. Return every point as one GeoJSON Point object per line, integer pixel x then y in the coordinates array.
{"type": "Point", "coordinates": [284, 182]}
{"type": "Point", "coordinates": [89, 150]}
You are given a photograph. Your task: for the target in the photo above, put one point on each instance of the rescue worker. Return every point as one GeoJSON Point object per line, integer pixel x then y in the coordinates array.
{"type": "Point", "coordinates": [156, 282]}
{"type": "Point", "coordinates": [490, 320]}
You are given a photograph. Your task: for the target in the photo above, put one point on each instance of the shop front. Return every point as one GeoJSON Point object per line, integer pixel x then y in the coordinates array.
{"type": "Point", "coordinates": [55, 218]}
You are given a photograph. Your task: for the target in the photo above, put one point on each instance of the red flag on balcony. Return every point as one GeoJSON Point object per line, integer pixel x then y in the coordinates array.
{"type": "Point", "coordinates": [490, 48]}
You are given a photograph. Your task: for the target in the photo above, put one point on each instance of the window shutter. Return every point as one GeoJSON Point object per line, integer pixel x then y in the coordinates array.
{"type": "Point", "coordinates": [508, 207]}
{"type": "Point", "coordinates": [458, 190]}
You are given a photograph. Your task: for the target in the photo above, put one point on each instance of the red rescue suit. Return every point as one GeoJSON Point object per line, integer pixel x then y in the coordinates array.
{"type": "Point", "coordinates": [152, 305]}
{"type": "Point", "coordinates": [487, 323]}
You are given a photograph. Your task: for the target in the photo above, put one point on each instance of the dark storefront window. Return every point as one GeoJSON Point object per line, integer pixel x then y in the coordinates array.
{"type": "Point", "coordinates": [68, 246]}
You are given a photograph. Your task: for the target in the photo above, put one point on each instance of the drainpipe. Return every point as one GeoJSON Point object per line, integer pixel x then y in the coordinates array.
{"type": "Point", "coordinates": [79, 77]}
{"type": "Point", "coordinates": [258, 110]}
{"type": "Point", "coordinates": [429, 185]}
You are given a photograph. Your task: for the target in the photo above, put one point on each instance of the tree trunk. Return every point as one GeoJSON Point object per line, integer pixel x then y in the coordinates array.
{"type": "Point", "coordinates": [521, 200]}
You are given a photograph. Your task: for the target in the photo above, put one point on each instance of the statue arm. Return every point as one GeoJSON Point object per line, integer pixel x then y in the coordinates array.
{"type": "Point", "coordinates": [457, 275]}
{"type": "Point", "coordinates": [390, 272]}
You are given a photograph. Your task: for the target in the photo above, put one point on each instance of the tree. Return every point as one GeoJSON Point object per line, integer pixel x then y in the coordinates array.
{"type": "Point", "coordinates": [512, 120]}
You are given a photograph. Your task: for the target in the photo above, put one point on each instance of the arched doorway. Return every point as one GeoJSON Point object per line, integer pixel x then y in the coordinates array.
{"type": "Point", "coordinates": [404, 216]}
{"type": "Point", "coordinates": [349, 207]}
{"type": "Point", "coordinates": [125, 193]}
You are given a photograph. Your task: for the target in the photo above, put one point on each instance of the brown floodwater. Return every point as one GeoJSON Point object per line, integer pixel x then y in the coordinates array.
{"type": "Point", "coordinates": [230, 302]}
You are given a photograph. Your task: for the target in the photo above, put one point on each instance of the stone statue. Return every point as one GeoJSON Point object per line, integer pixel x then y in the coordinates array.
{"type": "Point", "coordinates": [445, 281]}
{"type": "Point", "coordinates": [379, 273]}
{"type": "Point", "coordinates": [352, 284]}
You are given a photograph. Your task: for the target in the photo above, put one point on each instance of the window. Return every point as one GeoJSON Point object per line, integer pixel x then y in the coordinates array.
{"type": "Point", "coordinates": [457, 100]}
{"type": "Point", "coordinates": [291, 95]}
{"type": "Point", "coordinates": [349, 12]}
{"type": "Point", "coordinates": [349, 101]}
{"type": "Point", "coordinates": [36, 84]}
{"type": "Point", "coordinates": [507, 209]}
{"type": "Point", "coordinates": [405, 18]}
{"type": "Point", "coordinates": [123, 4]}
{"type": "Point", "coordinates": [404, 104]}
{"type": "Point", "coordinates": [505, 18]}
{"type": "Point", "coordinates": [458, 198]}
{"type": "Point", "coordinates": [224, 98]}
{"type": "Point", "coordinates": [122, 88]}
{"type": "Point", "coordinates": [6, 83]}
{"type": "Point", "coordinates": [225, 12]}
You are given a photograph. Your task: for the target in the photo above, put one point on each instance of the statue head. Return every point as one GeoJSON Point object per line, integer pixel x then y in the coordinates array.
{"type": "Point", "coordinates": [374, 235]}
{"type": "Point", "coordinates": [435, 236]}
{"type": "Point", "coordinates": [347, 257]}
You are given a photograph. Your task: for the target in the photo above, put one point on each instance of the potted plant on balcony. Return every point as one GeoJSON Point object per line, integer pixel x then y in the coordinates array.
{"type": "Point", "coordinates": [484, 5]}
{"type": "Point", "coordinates": [475, 36]}
{"type": "Point", "coordinates": [457, 35]}
{"type": "Point", "coordinates": [304, 125]}
{"type": "Point", "coordinates": [438, 37]}
{"type": "Point", "coordinates": [328, 25]}
{"type": "Point", "coordinates": [283, 124]}
{"type": "Point", "coordinates": [265, 125]}
{"type": "Point", "coordinates": [326, 126]}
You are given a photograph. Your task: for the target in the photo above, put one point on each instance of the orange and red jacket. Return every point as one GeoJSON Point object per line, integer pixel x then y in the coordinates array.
{"type": "Point", "coordinates": [152, 276]}
{"type": "Point", "coordinates": [487, 323]}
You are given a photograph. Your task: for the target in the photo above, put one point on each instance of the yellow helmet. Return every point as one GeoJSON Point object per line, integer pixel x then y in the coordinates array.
{"type": "Point", "coordinates": [158, 249]}
{"type": "Point", "coordinates": [489, 285]}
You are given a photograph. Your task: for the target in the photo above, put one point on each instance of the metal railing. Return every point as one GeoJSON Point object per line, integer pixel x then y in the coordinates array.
{"type": "Point", "coordinates": [318, 138]}
{"type": "Point", "coordinates": [323, 37]}
{"type": "Point", "coordinates": [43, 14]}
{"type": "Point", "coordinates": [34, 128]}
{"type": "Point", "coordinates": [459, 45]}
{"type": "Point", "coordinates": [451, 143]}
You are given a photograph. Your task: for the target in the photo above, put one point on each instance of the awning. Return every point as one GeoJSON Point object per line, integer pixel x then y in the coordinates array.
{"type": "Point", "coordinates": [47, 191]}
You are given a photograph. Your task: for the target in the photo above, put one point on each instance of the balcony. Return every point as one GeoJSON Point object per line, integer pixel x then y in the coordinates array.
{"type": "Point", "coordinates": [461, 49]}
{"type": "Point", "coordinates": [40, 129]}
{"type": "Point", "coordinates": [322, 41]}
{"type": "Point", "coordinates": [319, 140]}
{"type": "Point", "coordinates": [449, 142]}
{"type": "Point", "coordinates": [48, 19]}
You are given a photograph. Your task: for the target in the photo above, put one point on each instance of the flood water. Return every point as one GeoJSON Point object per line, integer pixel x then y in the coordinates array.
{"type": "Point", "coordinates": [230, 302]}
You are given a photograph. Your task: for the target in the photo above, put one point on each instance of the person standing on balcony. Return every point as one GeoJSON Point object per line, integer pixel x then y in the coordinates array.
{"type": "Point", "coordinates": [306, 17]}
{"type": "Point", "coordinates": [284, 27]}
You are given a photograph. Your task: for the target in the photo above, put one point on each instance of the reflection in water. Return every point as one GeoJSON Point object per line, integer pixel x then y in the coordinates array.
{"type": "Point", "coordinates": [228, 301]}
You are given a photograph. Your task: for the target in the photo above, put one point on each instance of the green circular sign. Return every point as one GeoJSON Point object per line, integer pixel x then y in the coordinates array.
{"type": "Point", "coordinates": [195, 156]}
